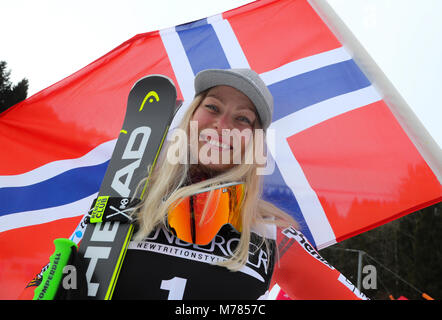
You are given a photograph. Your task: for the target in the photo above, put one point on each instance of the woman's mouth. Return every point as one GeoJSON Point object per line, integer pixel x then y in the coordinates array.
{"type": "Point", "coordinates": [215, 143]}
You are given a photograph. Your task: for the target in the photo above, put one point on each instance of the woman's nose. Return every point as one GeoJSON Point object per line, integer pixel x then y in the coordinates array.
{"type": "Point", "coordinates": [223, 122]}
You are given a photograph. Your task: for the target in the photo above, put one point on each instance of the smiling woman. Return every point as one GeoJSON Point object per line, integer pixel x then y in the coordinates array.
{"type": "Point", "coordinates": [225, 121]}
{"type": "Point", "coordinates": [230, 107]}
{"type": "Point", "coordinates": [206, 208]}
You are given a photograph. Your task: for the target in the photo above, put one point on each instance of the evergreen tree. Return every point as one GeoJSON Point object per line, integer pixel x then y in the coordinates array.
{"type": "Point", "coordinates": [405, 253]}
{"type": "Point", "coordinates": [10, 94]}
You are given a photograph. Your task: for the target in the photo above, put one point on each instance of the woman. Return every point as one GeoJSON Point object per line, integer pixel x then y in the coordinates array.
{"type": "Point", "coordinates": [229, 107]}
{"type": "Point", "coordinates": [238, 257]}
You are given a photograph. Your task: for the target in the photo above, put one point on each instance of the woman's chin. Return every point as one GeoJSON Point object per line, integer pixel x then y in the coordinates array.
{"type": "Point", "coordinates": [217, 167]}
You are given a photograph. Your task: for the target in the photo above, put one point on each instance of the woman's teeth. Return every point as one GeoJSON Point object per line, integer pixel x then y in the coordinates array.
{"type": "Point", "coordinates": [217, 143]}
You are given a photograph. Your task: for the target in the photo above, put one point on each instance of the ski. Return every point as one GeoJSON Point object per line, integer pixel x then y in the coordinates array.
{"type": "Point", "coordinates": [151, 106]}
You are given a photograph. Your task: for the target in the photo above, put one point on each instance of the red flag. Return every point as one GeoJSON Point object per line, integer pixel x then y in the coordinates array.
{"type": "Point", "coordinates": [346, 160]}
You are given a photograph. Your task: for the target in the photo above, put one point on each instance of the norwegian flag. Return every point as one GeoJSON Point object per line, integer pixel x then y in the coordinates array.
{"type": "Point", "coordinates": [342, 163]}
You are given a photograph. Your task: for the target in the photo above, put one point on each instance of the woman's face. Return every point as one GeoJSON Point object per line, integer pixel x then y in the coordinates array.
{"type": "Point", "coordinates": [225, 121]}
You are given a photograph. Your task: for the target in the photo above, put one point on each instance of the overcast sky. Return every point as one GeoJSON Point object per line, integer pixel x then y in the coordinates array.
{"type": "Point", "coordinates": [47, 40]}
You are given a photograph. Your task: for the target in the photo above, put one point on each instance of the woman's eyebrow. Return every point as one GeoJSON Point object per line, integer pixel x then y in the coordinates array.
{"type": "Point", "coordinates": [247, 107]}
{"type": "Point", "coordinates": [213, 95]}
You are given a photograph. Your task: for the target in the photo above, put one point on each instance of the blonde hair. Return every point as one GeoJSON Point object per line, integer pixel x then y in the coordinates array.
{"type": "Point", "coordinates": [167, 184]}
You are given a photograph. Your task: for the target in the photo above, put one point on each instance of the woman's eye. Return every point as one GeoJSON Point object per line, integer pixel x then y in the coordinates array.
{"type": "Point", "coordinates": [212, 107]}
{"type": "Point", "coordinates": [244, 119]}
